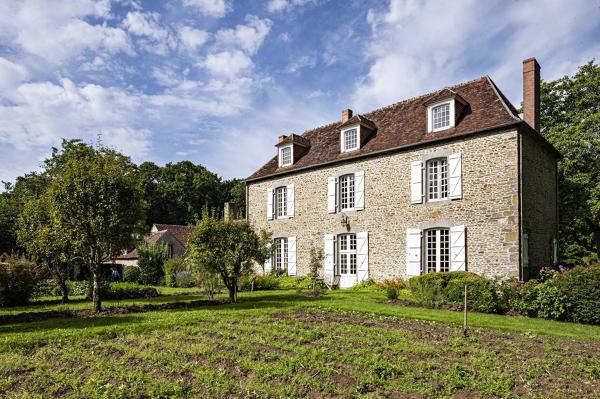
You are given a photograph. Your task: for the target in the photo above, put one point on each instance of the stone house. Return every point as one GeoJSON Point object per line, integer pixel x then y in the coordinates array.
{"type": "Point", "coordinates": [451, 180]}
{"type": "Point", "coordinates": [175, 236]}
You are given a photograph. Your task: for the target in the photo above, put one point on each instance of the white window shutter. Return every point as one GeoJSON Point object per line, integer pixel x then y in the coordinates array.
{"type": "Point", "coordinates": [331, 203]}
{"type": "Point", "coordinates": [270, 204]}
{"type": "Point", "coordinates": [291, 256]}
{"type": "Point", "coordinates": [267, 265]}
{"type": "Point", "coordinates": [416, 182]}
{"type": "Point", "coordinates": [457, 248]}
{"type": "Point", "coordinates": [455, 166]}
{"type": "Point", "coordinates": [359, 190]}
{"type": "Point", "coordinates": [362, 256]}
{"type": "Point", "coordinates": [413, 252]}
{"type": "Point", "coordinates": [329, 257]}
{"type": "Point", "coordinates": [290, 201]}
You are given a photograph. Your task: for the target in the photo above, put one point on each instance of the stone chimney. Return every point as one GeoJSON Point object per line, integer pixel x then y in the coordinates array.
{"type": "Point", "coordinates": [229, 211]}
{"type": "Point", "coordinates": [281, 138]}
{"type": "Point", "coordinates": [346, 114]}
{"type": "Point", "coordinates": [531, 93]}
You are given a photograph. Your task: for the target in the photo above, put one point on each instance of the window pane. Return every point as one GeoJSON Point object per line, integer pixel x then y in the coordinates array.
{"type": "Point", "coordinates": [441, 116]}
{"type": "Point", "coordinates": [437, 179]}
{"type": "Point", "coordinates": [443, 178]}
{"type": "Point", "coordinates": [431, 251]}
{"type": "Point", "coordinates": [343, 263]}
{"type": "Point", "coordinates": [444, 250]}
{"type": "Point", "coordinates": [352, 263]}
{"type": "Point", "coordinates": [281, 201]}
{"type": "Point", "coordinates": [438, 250]}
{"type": "Point", "coordinates": [347, 192]}
{"type": "Point", "coordinates": [350, 139]}
{"type": "Point", "coordinates": [286, 155]}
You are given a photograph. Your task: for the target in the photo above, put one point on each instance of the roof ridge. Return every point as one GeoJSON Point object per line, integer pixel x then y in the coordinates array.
{"type": "Point", "coordinates": [401, 102]}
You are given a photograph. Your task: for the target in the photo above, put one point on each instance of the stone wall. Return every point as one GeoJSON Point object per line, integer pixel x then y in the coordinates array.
{"type": "Point", "coordinates": [488, 209]}
{"type": "Point", "coordinates": [540, 200]}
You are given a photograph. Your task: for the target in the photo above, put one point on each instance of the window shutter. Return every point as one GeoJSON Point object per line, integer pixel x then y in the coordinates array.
{"type": "Point", "coordinates": [359, 190]}
{"type": "Point", "coordinates": [267, 265]}
{"type": "Point", "coordinates": [331, 205]}
{"type": "Point", "coordinates": [416, 182]}
{"type": "Point", "coordinates": [362, 256]}
{"type": "Point", "coordinates": [291, 256]}
{"type": "Point", "coordinates": [290, 201]}
{"type": "Point", "coordinates": [457, 248]}
{"type": "Point", "coordinates": [329, 257]}
{"type": "Point", "coordinates": [270, 204]}
{"type": "Point", "coordinates": [413, 252]}
{"type": "Point", "coordinates": [455, 166]}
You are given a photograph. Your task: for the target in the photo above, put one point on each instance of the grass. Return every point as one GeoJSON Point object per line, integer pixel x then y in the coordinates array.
{"type": "Point", "coordinates": [279, 344]}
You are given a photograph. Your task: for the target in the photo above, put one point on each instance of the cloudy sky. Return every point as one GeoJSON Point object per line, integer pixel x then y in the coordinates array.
{"type": "Point", "coordinates": [216, 81]}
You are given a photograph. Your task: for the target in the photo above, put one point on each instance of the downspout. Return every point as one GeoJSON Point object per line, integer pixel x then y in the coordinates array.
{"type": "Point", "coordinates": [520, 206]}
{"type": "Point", "coordinates": [246, 207]}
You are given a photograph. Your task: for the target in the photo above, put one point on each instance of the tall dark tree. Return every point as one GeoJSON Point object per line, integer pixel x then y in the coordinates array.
{"type": "Point", "coordinates": [571, 122]}
{"type": "Point", "coordinates": [234, 191]}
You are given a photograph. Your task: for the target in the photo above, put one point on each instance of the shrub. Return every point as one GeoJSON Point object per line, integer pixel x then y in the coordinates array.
{"type": "Point", "coordinates": [551, 302]}
{"type": "Point", "coordinates": [81, 288]}
{"type": "Point", "coordinates": [131, 274]}
{"type": "Point", "coordinates": [392, 292]}
{"type": "Point", "coordinates": [397, 283]}
{"type": "Point", "coordinates": [18, 279]}
{"type": "Point", "coordinates": [581, 285]}
{"type": "Point", "coordinates": [44, 287]}
{"type": "Point", "coordinates": [150, 261]}
{"type": "Point", "coordinates": [171, 267]}
{"type": "Point", "coordinates": [427, 289]}
{"type": "Point", "coordinates": [261, 283]}
{"type": "Point", "coordinates": [129, 291]}
{"type": "Point", "coordinates": [185, 279]}
{"type": "Point", "coordinates": [366, 285]}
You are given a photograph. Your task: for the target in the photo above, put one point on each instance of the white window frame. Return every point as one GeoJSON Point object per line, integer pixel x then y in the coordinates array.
{"type": "Point", "coordinates": [343, 138]}
{"type": "Point", "coordinates": [280, 260]}
{"type": "Point", "coordinates": [351, 192]}
{"type": "Point", "coordinates": [440, 248]}
{"type": "Point", "coordinates": [280, 211]}
{"type": "Point", "coordinates": [451, 104]}
{"type": "Point", "coordinates": [280, 157]}
{"type": "Point", "coordinates": [347, 256]}
{"type": "Point", "coordinates": [439, 185]}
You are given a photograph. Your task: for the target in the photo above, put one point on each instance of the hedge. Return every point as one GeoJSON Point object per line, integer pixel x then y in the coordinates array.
{"type": "Point", "coordinates": [18, 280]}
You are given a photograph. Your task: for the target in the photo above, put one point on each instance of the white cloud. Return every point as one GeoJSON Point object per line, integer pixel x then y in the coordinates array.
{"type": "Point", "coordinates": [11, 76]}
{"type": "Point", "coordinates": [305, 61]}
{"type": "Point", "coordinates": [275, 6]}
{"type": "Point", "coordinates": [227, 64]}
{"type": "Point", "coordinates": [192, 38]}
{"type": "Point", "coordinates": [421, 46]}
{"type": "Point", "coordinates": [212, 8]}
{"type": "Point", "coordinates": [248, 37]}
{"type": "Point", "coordinates": [155, 37]}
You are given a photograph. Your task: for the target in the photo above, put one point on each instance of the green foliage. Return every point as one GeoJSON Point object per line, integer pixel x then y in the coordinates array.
{"type": "Point", "coordinates": [315, 265]}
{"type": "Point", "coordinates": [18, 279]}
{"type": "Point", "coordinates": [581, 288]}
{"type": "Point", "coordinates": [571, 122]}
{"type": "Point", "coordinates": [436, 289]}
{"type": "Point", "coordinates": [151, 258]}
{"type": "Point", "coordinates": [204, 277]}
{"type": "Point", "coordinates": [132, 274]}
{"type": "Point", "coordinates": [391, 292]}
{"type": "Point", "coordinates": [227, 248]}
{"type": "Point", "coordinates": [78, 288]}
{"type": "Point", "coordinates": [129, 291]}
{"type": "Point", "coordinates": [397, 283]}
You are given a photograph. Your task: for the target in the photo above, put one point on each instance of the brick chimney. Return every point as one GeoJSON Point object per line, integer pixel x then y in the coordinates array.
{"type": "Point", "coordinates": [531, 93]}
{"type": "Point", "coordinates": [346, 114]}
{"type": "Point", "coordinates": [281, 138]}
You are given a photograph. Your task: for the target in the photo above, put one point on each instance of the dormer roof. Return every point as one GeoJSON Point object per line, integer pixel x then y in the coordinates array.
{"type": "Point", "coordinates": [359, 120]}
{"type": "Point", "coordinates": [445, 94]}
{"type": "Point", "coordinates": [294, 139]}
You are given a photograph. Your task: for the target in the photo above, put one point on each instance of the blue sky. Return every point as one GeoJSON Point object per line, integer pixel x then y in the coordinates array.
{"type": "Point", "coordinates": [216, 81]}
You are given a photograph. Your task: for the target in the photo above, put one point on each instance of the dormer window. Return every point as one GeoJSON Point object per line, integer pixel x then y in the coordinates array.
{"type": "Point", "coordinates": [286, 155]}
{"type": "Point", "coordinates": [350, 139]}
{"type": "Point", "coordinates": [440, 116]}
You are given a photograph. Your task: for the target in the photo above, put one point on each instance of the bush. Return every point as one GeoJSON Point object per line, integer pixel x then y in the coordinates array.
{"type": "Point", "coordinates": [131, 274]}
{"type": "Point", "coordinates": [18, 279]}
{"type": "Point", "coordinates": [151, 260]}
{"type": "Point", "coordinates": [261, 283]}
{"type": "Point", "coordinates": [581, 287]}
{"type": "Point", "coordinates": [185, 279]}
{"type": "Point", "coordinates": [392, 292]}
{"type": "Point", "coordinates": [397, 283]}
{"type": "Point", "coordinates": [44, 287]}
{"type": "Point", "coordinates": [83, 287]}
{"type": "Point", "coordinates": [436, 289]}
{"type": "Point", "coordinates": [551, 302]}
{"type": "Point", "coordinates": [171, 268]}
{"type": "Point", "coordinates": [129, 291]}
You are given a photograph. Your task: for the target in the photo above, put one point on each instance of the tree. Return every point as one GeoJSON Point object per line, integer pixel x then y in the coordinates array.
{"type": "Point", "coordinates": [227, 248]}
{"type": "Point", "coordinates": [571, 122]}
{"type": "Point", "coordinates": [151, 259]}
{"type": "Point", "coordinates": [96, 202]}
{"type": "Point", "coordinates": [234, 191]}
{"type": "Point", "coordinates": [316, 264]}
{"type": "Point", "coordinates": [38, 235]}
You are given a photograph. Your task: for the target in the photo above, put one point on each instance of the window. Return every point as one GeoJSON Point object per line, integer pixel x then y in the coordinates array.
{"type": "Point", "coordinates": [171, 253]}
{"type": "Point", "coordinates": [281, 201]}
{"type": "Point", "coordinates": [350, 140]}
{"type": "Point", "coordinates": [440, 115]}
{"type": "Point", "coordinates": [346, 192]}
{"type": "Point", "coordinates": [280, 254]}
{"type": "Point", "coordinates": [347, 254]}
{"type": "Point", "coordinates": [437, 247]}
{"type": "Point", "coordinates": [285, 156]}
{"type": "Point", "coordinates": [437, 179]}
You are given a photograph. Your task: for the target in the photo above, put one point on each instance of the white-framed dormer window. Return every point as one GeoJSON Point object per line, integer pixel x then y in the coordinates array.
{"type": "Point", "coordinates": [440, 116]}
{"type": "Point", "coordinates": [437, 179]}
{"type": "Point", "coordinates": [350, 139]}
{"type": "Point", "coordinates": [286, 155]}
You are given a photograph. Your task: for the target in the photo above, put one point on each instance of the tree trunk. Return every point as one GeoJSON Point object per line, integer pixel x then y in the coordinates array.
{"type": "Point", "coordinates": [96, 291]}
{"type": "Point", "coordinates": [64, 291]}
{"type": "Point", "coordinates": [233, 291]}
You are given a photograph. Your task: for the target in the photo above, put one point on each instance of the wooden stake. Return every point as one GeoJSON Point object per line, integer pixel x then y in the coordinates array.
{"type": "Point", "coordinates": [465, 331]}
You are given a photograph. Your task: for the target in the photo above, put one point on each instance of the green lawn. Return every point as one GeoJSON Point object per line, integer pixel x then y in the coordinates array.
{"type": "Point", "coordinates": [278, 344]}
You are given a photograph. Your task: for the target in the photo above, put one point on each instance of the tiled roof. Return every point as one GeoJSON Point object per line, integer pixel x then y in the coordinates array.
{"type": "Point", "coordinates": [359, 119]}
{"type": "Point", "coordinates": [294, 138]}
{"type": "Point", "coordinates": [404, 124]}
{"type": "Point", "coordinates": [180, 232]}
